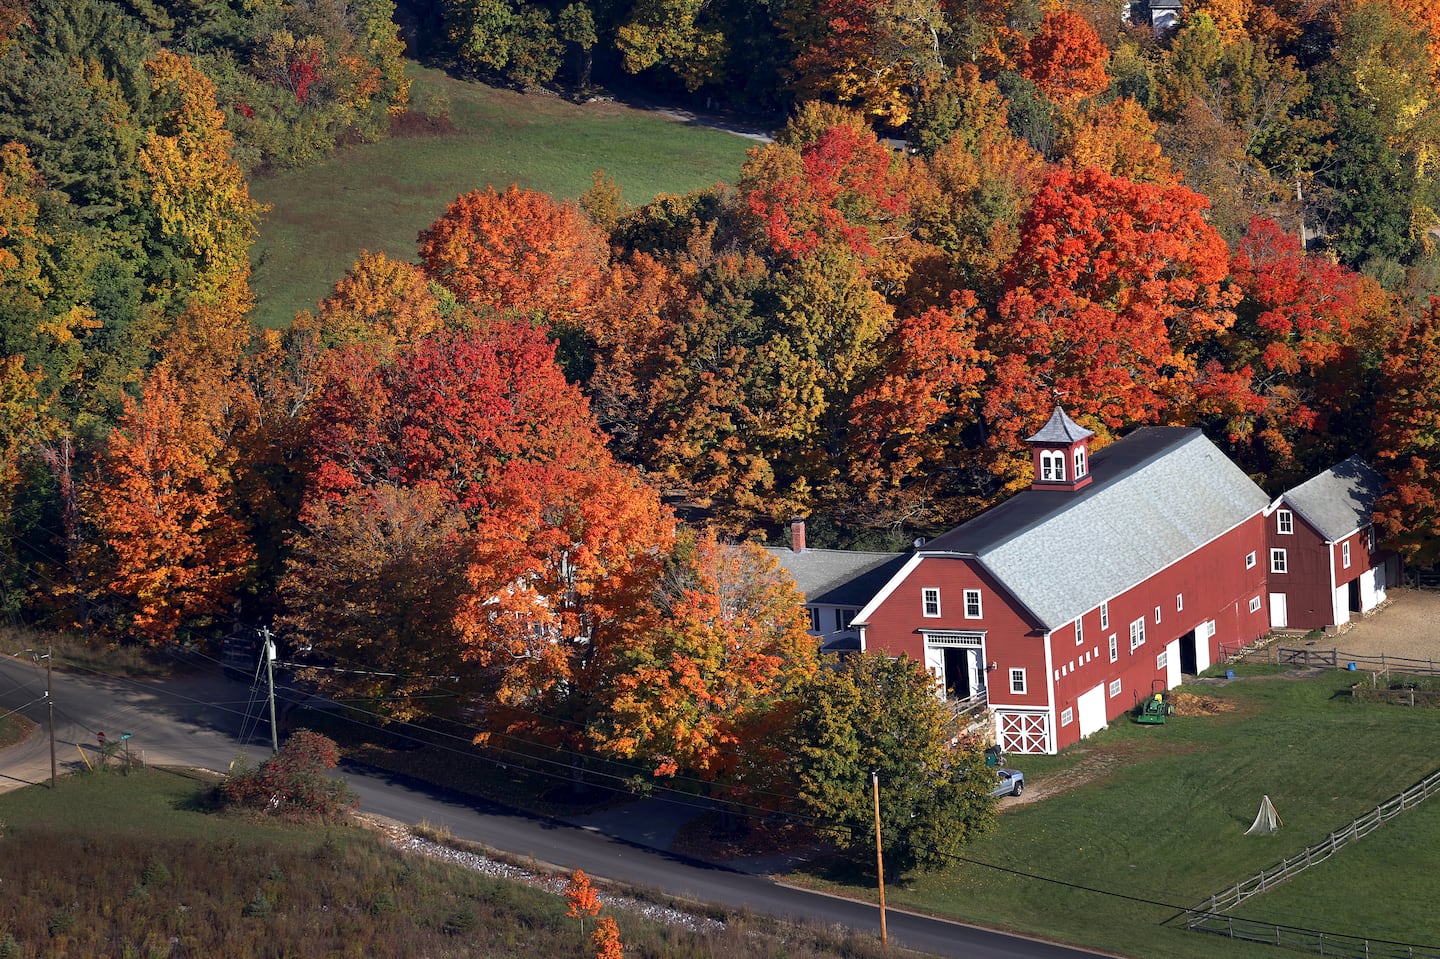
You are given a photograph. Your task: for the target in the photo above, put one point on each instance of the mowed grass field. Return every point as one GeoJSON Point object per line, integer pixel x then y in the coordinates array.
{"type": "Point", "coordinates": [1161, 815]}
{"type": "Point", "coordinates": [379, 196]}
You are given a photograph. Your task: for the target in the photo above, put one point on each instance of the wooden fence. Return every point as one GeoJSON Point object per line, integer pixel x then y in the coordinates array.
{"type": "Point", "coordinates": [1310, 940]}
{"type": "Point", "coordinates": [1308, 657]}
{"type": "Point", "coordinates": [1321, 851]}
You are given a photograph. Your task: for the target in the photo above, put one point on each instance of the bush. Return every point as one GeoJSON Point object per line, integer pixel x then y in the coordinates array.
{"type": "Point", "coordinates": [293, 783]}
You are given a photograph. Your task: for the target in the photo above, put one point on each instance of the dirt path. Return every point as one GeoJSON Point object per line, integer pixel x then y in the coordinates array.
{"type": "Point", "coordinates": [1406, 626]}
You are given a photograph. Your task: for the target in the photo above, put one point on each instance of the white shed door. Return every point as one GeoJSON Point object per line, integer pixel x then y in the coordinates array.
{"type": "Point", "coordinates": [1092, 711]}
{"type": "Point", "coordinates": [1372, 588]}
{"type": "Point", "coordinates": [1340, 605]}
{"type": "Point", "coordinates": [1278, 617]}
{"type": "Point", "coordinates": [1172, 662]}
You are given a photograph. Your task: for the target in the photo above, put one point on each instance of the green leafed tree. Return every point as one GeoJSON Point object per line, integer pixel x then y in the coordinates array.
{"type": "Point", "coordinates": [873, 714]}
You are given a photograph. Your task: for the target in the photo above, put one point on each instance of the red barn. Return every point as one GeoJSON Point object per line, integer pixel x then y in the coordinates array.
{"type": "Point", "coordinates": [1067, 603]}
{"type": "Point", "coordinates": [1323, 561]}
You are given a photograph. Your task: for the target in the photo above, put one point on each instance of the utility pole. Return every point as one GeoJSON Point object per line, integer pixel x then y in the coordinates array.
{"type": "Point", "coordinates": [50, 703]}
{"type": "Point", "coordinates": [269, 654]}
{"type": "Point", "coordinates": [879, 854]}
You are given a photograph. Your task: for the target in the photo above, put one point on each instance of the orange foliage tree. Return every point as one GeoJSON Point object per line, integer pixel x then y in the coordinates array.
{"type": "Point", "coordinates": [1066, 58]}
{"type": "Point", "coordinates": [387, 303]}
{"type": "Point", "coordinates": [1112, 291]}
{"type": "Point", "coordinates": [706, 664]}
{"type": "Point", "coordinates": [844, 188]}
{"type": "Point", "coordinates": [581, 898]}
{"type": "Point", "coordinates": [553, 541]}
{"type": "Point", "coordinates": [518, 250]}
{"type": "Point", "coordinates": [1274, 376]}
{"type": "Point", "coordinates": [606, 939]}
{"type": "Point", "coordinates": [1407, 428]}
{"type": "Point", "coordinates": [168, 548]}
{"type": "Point", "coordinates": [912, 427]}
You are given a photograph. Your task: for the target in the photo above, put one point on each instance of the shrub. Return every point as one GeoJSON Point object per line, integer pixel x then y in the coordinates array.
{"type": "Point", "coordinates": [293, 782]}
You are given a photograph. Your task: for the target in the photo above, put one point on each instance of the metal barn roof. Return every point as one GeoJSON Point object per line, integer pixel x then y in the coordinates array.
{"type": "Point", "coordinates": [1338, 501]}
{"type": "Point", "coordinates": [1156, 496]}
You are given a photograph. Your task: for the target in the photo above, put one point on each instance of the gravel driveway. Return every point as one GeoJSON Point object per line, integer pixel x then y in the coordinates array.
{"type": "Point", "coordinates": [1406, 626]}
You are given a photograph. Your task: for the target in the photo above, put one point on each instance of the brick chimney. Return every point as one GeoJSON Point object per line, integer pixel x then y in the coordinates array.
{"type": "Point", "coordinates": [797, 534]}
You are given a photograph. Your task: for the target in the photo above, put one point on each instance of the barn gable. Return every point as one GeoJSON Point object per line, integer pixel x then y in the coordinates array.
{"type": "Point", "coordinates": [1338, 501]}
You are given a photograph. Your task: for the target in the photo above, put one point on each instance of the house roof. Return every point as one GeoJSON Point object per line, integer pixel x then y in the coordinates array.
{"type": "Point", "coordinates": [1060, 429]}
{"type": "Point", "coordinates": [1156, 496]}
{"type": "Point", "coordinates": [1338, 501]}
{"type": "Point", "coordinates": [838, 577]}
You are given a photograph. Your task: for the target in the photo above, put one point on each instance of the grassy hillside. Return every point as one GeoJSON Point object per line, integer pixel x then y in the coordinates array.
{"type": "Point", "coordinates": [138, 865]}
{"type": "Point", "coordinates": [379, 196]}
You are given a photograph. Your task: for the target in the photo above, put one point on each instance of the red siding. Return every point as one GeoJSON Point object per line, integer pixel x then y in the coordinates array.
{"type": "Point", "coordinates": [1306, 580]}
{"type": "Point", "coordinates": [1012, 639]}
{"type": "Point", "coordinates": [1214, 582]}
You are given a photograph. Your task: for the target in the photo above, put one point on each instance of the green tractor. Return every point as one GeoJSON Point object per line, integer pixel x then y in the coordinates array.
{"type": "Point", "coordinates": [1155, 707]}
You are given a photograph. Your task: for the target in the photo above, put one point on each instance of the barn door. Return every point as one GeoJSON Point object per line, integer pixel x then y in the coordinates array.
{"type": "Point", "coordinates": [1279, 618]}
{"type": "Point", "coordinates": [1092, 711]}
{"type": "Point", "coordinates": [1024, 732]}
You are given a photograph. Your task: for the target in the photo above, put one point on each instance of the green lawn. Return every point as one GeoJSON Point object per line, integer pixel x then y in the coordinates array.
{"type": "Point", "coordinates": [1397, 860]}
{"type": "Point", "coordinates": [380, 196]}
{"type": "Point", "coordinates": [1165, 822]}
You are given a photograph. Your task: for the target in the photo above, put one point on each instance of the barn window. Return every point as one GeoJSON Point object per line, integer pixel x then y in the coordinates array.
{"type": "Point", "coordinates": [1079, 632]}
{"type": "Point", "coordinates": [1157, 615]}
{"type": "Point", "coordinates": [930, 598]}
{"type": "Point", "coordinates": [1105, 615]}
{"type": "Point", "coordinates": [1284, 522]}
{"type": "Point", "coordinates": [972, 604]}
{"type": "Point", "coordinates": [1067, 717]}
{"type": "Point", "coordinates": [1114, 688]}
{"type": "Point", "coordinates": [1162, 660]}
{"type": "Point", "coordinates": [1250, 560]}
{"type": "Point", "coordinates": [1179, 602]}
{"type": "Point", "coordinates": [1114, 648]}
{"type": "Point", "coordinates": [1017, 680]}
{"type": "Point", "coordinates": [1052, 466]}
{"type": "Point", "coordinates": [1255, 604]}
{"type": "Point", "coordinates": [1079, 461]}
{"type": "Point", "coordinates": [1345, 554]}
{"type": "Point", "coordinates": [1137, 634]}
{"type": "Point", "coordinates": [1279, 562]}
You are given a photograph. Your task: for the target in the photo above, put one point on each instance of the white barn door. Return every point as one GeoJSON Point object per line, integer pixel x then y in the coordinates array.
{"type": "Point", "coordinates": [1092, 711]}
{"type": "Point", "coordinates": [1279, 617]}
{"type": "Point", "coordinates": [1172, 660]}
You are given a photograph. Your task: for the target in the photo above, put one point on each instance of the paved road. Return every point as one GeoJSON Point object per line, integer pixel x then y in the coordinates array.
{"type": "Point", "coordinates": [194, 722]}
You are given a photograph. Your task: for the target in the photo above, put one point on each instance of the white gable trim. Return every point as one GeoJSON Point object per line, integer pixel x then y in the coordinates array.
{"type": "Point", "coordinates": [900, 576]}
{"type": "Point", "coordinates": [1311, 523]}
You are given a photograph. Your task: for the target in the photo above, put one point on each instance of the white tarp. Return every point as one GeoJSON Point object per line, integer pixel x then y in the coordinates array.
{"type": "Point", "coordinates": [1266, 821]}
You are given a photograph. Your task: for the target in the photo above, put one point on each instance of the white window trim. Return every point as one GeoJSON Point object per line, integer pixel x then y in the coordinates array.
{"type": "Point", "coordinates": [1017, 680]}
{"type": "Point", "coordinates": [1105, 615]}
{"type": "Point", "coordinates": [1137, 629]}
{"type": "Point", "coordinates": [1157, 615]}
{"type": "Point", "coordinates": [1052, 466]}
{"type": "Point", "coordinates": [1114, 647]}
{"type": "Point", "coordinates": [1250, 560]}
{"type": "Point", "coordinates": [979, 604]}
{"type": "Point", "coordinates": [1179, 602]}
{"type": "Point", "coordinates": [1162, 660]}
{"type": "Point", "coordinates": [1284, 522]}
{"type": "Point", "coordinates": [1345, 554]}
{"type": "Point", "coordinates": [925, 594]}
{"type": "Point", "coordinates": [1079, 461]}
{"type": "Point", "coordinates": [1079, 631]}
{"type": "Point", "coordinates": [1255, 604]}
{"type": "Point", "coordinates": [1114, 688]}
{"type": "Point", "coordinates": [1279, 561]}
{"type": "Point", "coordinates": [1067, 716]}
